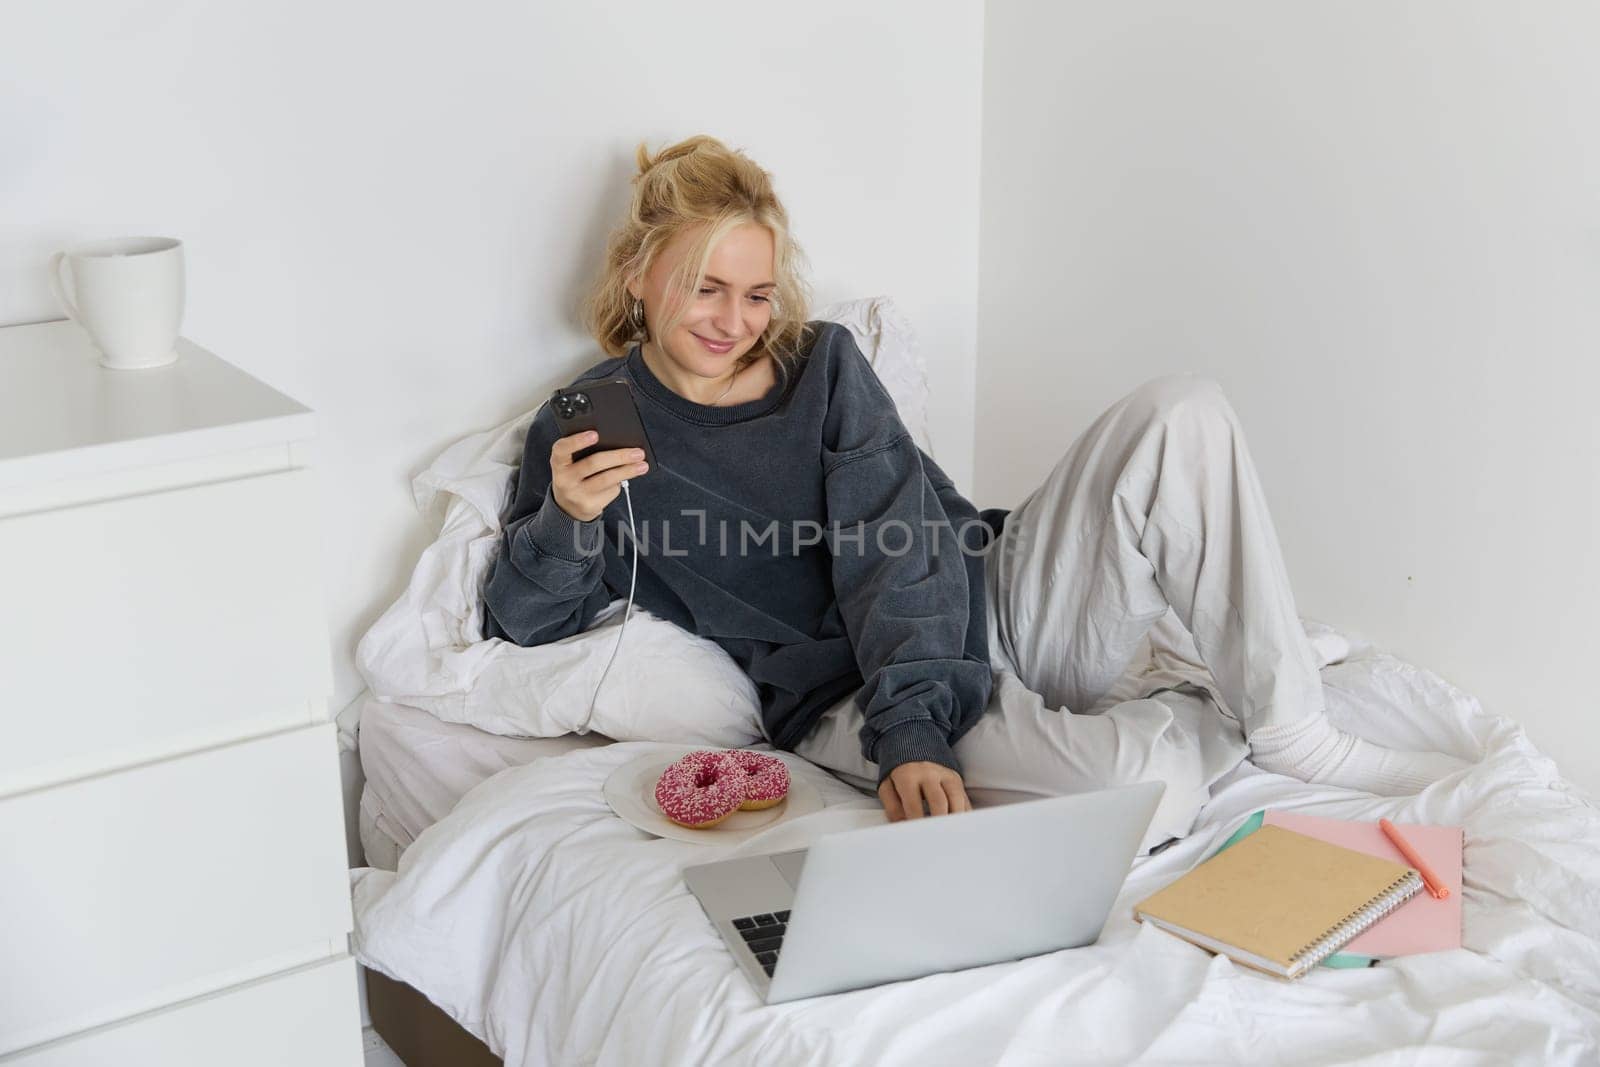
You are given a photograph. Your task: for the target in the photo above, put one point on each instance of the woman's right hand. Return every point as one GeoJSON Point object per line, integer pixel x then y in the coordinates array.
{"type": "Point", "coordinates": [584, 487]}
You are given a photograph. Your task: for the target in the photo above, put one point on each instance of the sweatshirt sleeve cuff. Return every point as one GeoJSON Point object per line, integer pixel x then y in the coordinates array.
{"type": "Point", "coordinates": [918, 739]}
{"type": "Point", "coordinates": [552, 532]}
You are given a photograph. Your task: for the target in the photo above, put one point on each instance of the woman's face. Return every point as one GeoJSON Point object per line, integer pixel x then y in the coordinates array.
{"type": "Point", "coordinates": [726, 318]}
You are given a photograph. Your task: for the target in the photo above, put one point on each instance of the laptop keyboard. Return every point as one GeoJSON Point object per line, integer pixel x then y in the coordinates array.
{"type": "Point", "coordinates": [763, 934]}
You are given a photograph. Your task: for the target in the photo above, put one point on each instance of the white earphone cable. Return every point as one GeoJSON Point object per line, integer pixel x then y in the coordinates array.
{"type": "Point", "coordinates": [632, 580]}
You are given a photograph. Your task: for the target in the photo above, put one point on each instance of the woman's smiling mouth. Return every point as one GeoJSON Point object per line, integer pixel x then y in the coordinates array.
{"type": "Point", "coordinates": [718, 347]}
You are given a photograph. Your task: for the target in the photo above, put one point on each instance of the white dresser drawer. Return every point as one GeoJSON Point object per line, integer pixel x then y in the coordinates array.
{"type": "Point", "coordinates": [132, 890]}
{"type": "Point", "coordinates": [302, 1018]}
{"type": "Point", "coordinates": [158, 623]}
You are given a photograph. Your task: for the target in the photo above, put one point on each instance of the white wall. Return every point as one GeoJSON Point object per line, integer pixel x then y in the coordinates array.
{"type": "Point", "coordinates": [1378, 226]}
{"type": "Point", "coordinates": [391, 210]}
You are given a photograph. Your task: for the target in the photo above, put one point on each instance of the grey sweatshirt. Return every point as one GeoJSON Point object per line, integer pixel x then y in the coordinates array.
{"type": "Point", "coordinates": [803, 532]}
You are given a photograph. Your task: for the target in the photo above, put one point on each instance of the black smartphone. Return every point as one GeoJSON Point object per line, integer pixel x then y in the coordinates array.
{"type": "Point", "coordinates": [606, 407]}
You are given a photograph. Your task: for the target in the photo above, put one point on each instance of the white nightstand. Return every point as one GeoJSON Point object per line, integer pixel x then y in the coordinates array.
{"type": "Point", "coordinates": [172, 859]}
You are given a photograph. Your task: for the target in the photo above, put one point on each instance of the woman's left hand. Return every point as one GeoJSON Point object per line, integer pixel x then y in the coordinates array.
{"type": "Point", "coordinates": [911, 785]}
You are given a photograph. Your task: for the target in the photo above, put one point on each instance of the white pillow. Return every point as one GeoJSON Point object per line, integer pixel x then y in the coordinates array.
{"type": "Point", "coordinates": [666, 684]}
{"type": "Point", "coordinates": [885, 337]}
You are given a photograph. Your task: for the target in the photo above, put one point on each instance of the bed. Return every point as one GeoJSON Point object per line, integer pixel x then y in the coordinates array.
{"type": "Point", "coordinates": [417, 767]}
{"type": "Point", "coordinates": [552, 932]}
{"type": "Point", "coordinates": [508, 915]}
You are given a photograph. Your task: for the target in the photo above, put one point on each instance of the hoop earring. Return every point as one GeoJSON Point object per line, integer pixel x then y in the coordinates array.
{"type": "Point", "coordinates": [636, 315]}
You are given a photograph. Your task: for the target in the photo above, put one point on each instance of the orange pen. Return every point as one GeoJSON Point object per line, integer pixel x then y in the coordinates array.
{"type": "Point", "coordinates": [1439, 890]}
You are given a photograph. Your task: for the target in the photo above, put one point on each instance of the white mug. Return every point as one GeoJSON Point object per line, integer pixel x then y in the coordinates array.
{"type": "Point", "coordinates": [127, 294]}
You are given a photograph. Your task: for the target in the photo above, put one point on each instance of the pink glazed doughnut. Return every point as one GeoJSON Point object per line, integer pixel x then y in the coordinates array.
{"type": "Point", "coordinates": [701, 789]}
{"type": "Point", "coordinates": [766, 780]}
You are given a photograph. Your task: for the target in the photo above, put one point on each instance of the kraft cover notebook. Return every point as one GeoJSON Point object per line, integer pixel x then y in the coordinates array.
{"type": "Point", "coordinates": [1421, 924]}
{"type": "Point", "coordinates": [1279, 901]}
{"type": "Point", "coordinates": [1339, 960]}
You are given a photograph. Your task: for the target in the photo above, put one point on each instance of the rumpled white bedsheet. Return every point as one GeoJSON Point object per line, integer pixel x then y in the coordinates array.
{"type": "Point", "coordinates": [561, 935]}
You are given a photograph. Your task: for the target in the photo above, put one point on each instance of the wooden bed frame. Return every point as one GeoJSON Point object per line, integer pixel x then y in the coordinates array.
{"type": "Point", "coordinates": [418, 1030]}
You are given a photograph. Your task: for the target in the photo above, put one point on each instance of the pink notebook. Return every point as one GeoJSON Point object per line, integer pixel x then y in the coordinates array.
{"type": "Point", "coordinates": [1421, 924]}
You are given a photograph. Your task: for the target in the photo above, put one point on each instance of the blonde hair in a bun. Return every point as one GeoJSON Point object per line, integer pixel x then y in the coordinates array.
{"type": "Point", "coordinates": [697, 183]}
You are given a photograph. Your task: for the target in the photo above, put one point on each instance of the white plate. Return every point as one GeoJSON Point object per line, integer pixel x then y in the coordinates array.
{"type": "Point", "coordinates": [631, 792]}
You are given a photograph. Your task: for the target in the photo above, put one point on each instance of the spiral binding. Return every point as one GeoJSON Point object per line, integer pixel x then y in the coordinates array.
{"type": "Point", "coordinates": [1402, 890]}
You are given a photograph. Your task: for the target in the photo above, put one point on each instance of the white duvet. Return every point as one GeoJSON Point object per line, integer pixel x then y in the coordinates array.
{"type": "Point", "coordinates": [561, 935]}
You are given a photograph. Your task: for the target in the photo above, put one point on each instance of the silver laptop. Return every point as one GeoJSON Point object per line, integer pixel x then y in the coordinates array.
{"type": "Point", "coordinates": [939, 893]}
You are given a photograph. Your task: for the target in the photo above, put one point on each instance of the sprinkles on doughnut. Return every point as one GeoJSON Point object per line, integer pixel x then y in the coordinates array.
{"type": "Point", "coordinates": [701, 789]}
{"type": "Point", "coordinates": [766, 780]}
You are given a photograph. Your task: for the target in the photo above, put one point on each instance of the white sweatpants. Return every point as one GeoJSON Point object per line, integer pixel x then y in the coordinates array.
{"type": "Point", "coordinates": [1154, 515]}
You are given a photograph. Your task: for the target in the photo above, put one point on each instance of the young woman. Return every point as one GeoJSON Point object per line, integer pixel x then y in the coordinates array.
{"type": "Point", "coordinates": [894, 634]}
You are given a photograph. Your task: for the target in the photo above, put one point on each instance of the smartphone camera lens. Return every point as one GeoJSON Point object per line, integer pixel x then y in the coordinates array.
{"type": "Point", "coordinates": [568, 405]}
